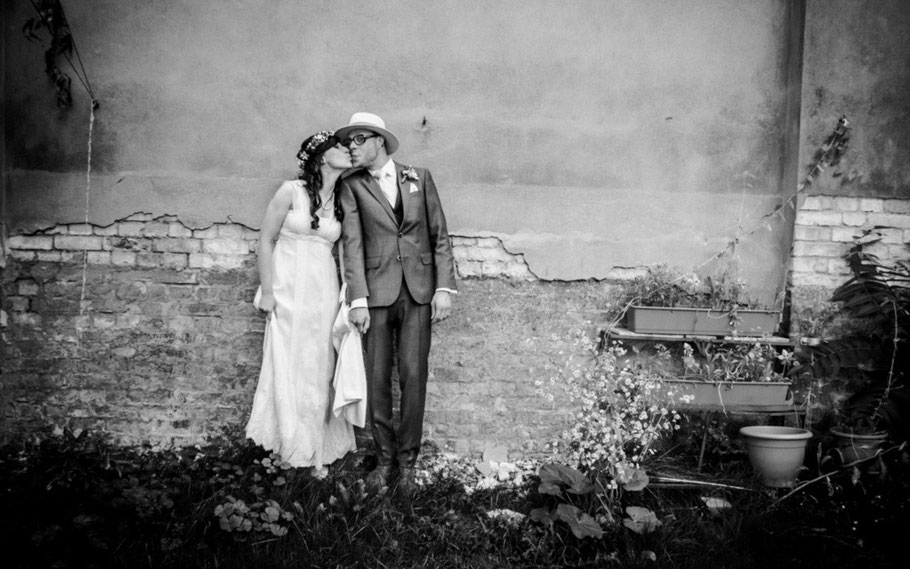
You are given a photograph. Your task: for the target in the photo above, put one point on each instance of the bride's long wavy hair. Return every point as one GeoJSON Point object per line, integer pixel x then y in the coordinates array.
{"type": "Point", "coordinates": [310, 160]}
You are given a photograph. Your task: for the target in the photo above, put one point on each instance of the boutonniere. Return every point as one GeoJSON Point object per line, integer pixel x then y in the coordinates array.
{"type": "Point", "coordinates": [409, 173]}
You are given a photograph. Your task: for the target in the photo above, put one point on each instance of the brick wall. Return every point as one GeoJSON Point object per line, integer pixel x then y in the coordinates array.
{"type": "Point", "coordinates": [486, 257]}
{"type": "Point", "coordinates": [142, 328]}
{"type": "Point", "coordinates": [824, 230]}
{"type": "Point", "coordinates": [145, 329]}
{"type": "Point", "coordinates": [825, 227]}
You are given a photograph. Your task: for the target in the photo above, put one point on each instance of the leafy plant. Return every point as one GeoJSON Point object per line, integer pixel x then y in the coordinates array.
{"type": "Point", "coordinates": [738, 362]}
{"type": "Point", "coordinates": [563, 483]}
{"type": "Point", "coordinates": [873, 350]}
{"type": "Point", "coordinates": [817, 320]}
{"type": "Point", "coordinates": [640, 520]}
{"type": "Point", "coordinates": [670, 287]}
{"type": "Point", "coordinates": [236, 516]}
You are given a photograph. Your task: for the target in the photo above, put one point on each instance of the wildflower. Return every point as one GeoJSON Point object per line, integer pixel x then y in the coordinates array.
{"type": "Point", "coordinates": [621, 409]}
{"type": "Point", "coordinates": [510, 517]}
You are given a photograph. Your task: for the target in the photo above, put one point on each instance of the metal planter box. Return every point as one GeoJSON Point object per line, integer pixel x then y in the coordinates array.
{"type": "Point", "coordinates": [702, 321]}
{"type": "Point", "coordinates": [735, 396]}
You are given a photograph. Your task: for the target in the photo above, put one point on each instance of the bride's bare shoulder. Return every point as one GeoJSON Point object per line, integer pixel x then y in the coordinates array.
{"type": "Point", "coordinates": [285, 193]}
{"type": "Point", "coordinates": [289, 186]}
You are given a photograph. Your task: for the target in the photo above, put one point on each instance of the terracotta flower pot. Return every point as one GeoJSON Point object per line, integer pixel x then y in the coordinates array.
{"type": "Point", "coordinates": [776, 453]}
{"type": "Point", "coordinates": [854, 447]}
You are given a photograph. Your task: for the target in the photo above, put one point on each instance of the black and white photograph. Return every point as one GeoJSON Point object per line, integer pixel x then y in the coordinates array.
{"type": "Point", "coordinates": [455, 284]}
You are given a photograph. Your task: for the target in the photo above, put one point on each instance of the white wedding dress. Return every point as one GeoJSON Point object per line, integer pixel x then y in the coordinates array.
{"type": "Point", "coordinates": [292, 409]}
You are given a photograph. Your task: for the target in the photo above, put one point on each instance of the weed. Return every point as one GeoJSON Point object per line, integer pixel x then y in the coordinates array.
{"type": "Point", "coordinates": [78, 501]}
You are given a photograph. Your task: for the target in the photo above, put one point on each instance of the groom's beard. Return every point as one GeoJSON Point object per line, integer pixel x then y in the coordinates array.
{"type": "Point", "coordinates": [365, 156]}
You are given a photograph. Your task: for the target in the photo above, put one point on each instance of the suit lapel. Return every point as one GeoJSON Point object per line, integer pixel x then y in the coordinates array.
{"type": "Point", "coordinates": [373, 187]}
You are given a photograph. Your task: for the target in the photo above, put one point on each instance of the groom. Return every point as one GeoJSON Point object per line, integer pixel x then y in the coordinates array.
{"type": "Point", "coordinates": [400, 274]}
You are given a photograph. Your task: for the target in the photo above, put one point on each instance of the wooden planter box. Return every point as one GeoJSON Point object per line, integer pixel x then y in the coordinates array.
{"type": "Point", "coordinates": [701, 321]}
{"type": "Point", "coordinates": [736, 396]}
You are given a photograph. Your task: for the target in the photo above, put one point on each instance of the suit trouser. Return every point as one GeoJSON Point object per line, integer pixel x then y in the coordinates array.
{"type": "Point", "coordinates": [409, 323]}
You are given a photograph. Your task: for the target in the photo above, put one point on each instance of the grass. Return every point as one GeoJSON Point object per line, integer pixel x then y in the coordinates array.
{"type": "Point", "coordinates": [80, 502]}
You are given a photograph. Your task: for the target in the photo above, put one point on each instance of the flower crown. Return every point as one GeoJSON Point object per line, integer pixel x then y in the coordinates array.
{"type": "Point", "coordinates": [318, 140]}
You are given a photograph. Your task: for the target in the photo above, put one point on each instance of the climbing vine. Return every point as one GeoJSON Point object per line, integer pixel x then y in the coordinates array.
{"type": "Point", "coordinates": [49, 20]}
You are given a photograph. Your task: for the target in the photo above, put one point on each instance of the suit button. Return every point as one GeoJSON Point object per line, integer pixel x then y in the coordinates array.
{"type": "Point", "coordinates": [399, 257]}
{"type": "Point", "coordinates": [400, 235]}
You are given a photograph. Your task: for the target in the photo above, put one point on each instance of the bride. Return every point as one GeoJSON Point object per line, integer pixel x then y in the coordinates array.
{"type": "Point", "coordinates": [299, 289]}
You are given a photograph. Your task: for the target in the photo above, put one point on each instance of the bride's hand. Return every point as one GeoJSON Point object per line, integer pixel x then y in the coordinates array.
{"type": "Point", "coordinates": [267, 303]}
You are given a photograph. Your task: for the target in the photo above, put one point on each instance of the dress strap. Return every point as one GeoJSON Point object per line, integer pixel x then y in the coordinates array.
{"type": "Point", "coordinates": [300, 201]}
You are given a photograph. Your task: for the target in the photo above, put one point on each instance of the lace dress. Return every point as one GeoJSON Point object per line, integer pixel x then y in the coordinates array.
{"type": "Point", "coordinates": [292, 409]}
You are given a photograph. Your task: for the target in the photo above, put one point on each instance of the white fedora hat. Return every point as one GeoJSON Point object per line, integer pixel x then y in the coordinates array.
{"type": "Point", "coordinates": [369, 121]}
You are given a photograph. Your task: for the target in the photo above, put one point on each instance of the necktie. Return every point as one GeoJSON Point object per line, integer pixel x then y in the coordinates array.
{"type": "Point", "coordinates": [384, 179]}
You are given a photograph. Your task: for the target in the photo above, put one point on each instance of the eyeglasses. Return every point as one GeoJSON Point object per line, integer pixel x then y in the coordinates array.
{"type": "Point", "coordinates": [357, 139]}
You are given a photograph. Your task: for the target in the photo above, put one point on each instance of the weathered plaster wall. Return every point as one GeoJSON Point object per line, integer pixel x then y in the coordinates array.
{"type": "Point", "coordinates": [587, 135]}
{"type": "Point", "coordinates": [857, 63]}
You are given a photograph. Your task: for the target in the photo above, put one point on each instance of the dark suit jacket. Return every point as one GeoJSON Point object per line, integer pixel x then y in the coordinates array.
{"type": "Point", "coordinates": [378, 253]}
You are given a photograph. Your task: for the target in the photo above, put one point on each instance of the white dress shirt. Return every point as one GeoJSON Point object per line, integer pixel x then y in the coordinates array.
{"type": "Point", "coordinates": [385, 176]}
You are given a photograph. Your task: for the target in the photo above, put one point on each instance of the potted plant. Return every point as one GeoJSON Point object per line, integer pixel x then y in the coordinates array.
{"type": "Point", "coordinates": [811, 325]}
{"type": "Point", "coordinates": [736, 377]}
{"type": "Point", "coordinates": [857, 443]}
{"type": "Point", "coordinates": [871, 352]}
{"type": "Point", "coordinates": [666, 301]}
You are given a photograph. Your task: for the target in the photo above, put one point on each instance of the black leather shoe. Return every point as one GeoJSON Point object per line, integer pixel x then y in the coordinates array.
{"type": "Point", "coordinates": [378, 478]}
{"type": "Point", "coordinates": [407, 481]}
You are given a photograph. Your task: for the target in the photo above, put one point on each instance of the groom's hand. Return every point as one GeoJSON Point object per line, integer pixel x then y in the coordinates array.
{"type": "Point", "coordinates": [360, 318]}
{"type": "Point", "coordinates": [441, 306]}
